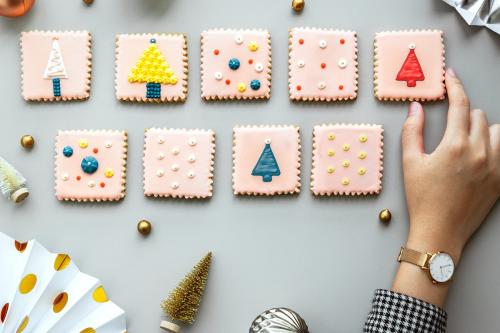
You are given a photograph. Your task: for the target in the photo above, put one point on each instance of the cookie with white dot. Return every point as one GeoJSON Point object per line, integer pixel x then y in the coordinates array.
{"type": "Point", "coordinates": [409, 65]}
{"type": "Point", "coordinates": [235, 64]}
{"type": "Point", "coordinates": [322, 64]}
{"type": "Point", "coordinates": [266, 160]}
{"type": "Point", "coordinates": [178, 163]}
{"type": "Point", "coordinates": [90, 165]}
{"type": "Point", "coordinates": [347, 159]}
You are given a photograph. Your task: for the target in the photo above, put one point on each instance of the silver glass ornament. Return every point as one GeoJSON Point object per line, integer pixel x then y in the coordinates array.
{"type": "Point", "coordinates": [279, 320]}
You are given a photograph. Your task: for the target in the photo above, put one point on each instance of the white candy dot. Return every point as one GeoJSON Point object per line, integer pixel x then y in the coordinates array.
{"type": "Point", "coordinates": [160, 156]}
{"type": "Point", "coordinates": [192, 142]}
{"type": "Point", "coordinates": [176, 151]}
{"type": "Point", "coordinates": [238, 39]}
{"type": "Point", "coordinates": [161, 139]}
{"type": "Point", "coordinates": [322, 44]}
{"type": "Point", "coordinates": [301, 63]}
{"type": "Point", "coordinates": [175, 185]}
{"type": "Point", "coordinates": [191, 174]}
{"type": "Point", "coordinates": [218, 76]}
{"type": "Point", "coordinates": [108, 144]}
{"type": "Point", "coordinates": [191, 158]}
{"type": "Point", "coordinates": [321, 85]}
{"type": "Point", "coordinates": [342, 63]}
{"type": "Point", "coordinates": [65, 176]}
{"type": "Point", "coordinates": [175, 167]}
{"type": "Point", "coordinates": [91, 183]}
{"type": "Point", "coordinates": [259, 67]}
{"type": "Point", "coordinates": [267, 141]}
{"type": "Point", "coordinates": [160, 173]}
{"type": "Point", "coordinates": [412, 46]}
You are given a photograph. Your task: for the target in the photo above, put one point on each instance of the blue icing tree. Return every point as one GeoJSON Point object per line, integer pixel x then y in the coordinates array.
{"type": "Point", "coordinates": [266, 166]}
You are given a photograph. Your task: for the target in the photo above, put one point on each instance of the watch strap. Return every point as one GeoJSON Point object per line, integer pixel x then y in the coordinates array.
{"type": "Point", "coordinates": [413, 257]}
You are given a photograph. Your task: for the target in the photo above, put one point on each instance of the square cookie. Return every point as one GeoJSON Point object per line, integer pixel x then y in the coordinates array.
{"type": "Point", "coordinates": [347, 159]}
{"type": "Point", "coordinates": [151, 68]}
{"type": "Point", "coordinates": [323, 64]}
{"type": "Point", "coordinates": [235, 64]}
{"type": "Point", "coordinates": [91, 165]}
{"type": "Point", "coordinates": [178, 163]}
{"type": "Point", "coordinates": [56, 65]}
{"type": "Point", "coordinates": [409, 65]}
{"type": "Point", "coordinates": [266, 160]}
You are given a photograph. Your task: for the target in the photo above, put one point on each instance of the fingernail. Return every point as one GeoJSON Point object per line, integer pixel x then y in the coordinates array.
{"type": "Point", "coordinates": [451, 72]}
{"type": "Point", "coordinates": [413, 109]}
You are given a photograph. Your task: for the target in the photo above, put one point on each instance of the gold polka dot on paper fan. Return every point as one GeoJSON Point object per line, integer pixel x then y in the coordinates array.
{"type": "Point", "coordinates": [62, 261]}
{"type": "Point", "coordinates": [23, 325]}
{"type": "Point", "coordinates": [3, 312]}
{"type": "Point", "coordinates": [60, 302]}
{"type": "Point", "coordinates": [88, 330]}
{"type": "Point", "coordinates": [20, 246]}
{"type": "Point", "coordinates": [27, 284]}
{"type": "Point", "coordinates": [99, 295]}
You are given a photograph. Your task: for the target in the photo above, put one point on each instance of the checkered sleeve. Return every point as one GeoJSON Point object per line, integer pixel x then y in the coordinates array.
{"type": "Point", "coordinates": [394, 312]}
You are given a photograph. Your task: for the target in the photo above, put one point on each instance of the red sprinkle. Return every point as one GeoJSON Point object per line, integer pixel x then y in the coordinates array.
{"type": "Point", "coordinates": [95, 150]}
{"type": "Point", "coordinates": [323, 65]}
{"type": "Point", "coordinates": [102, 184]}
{"type": "Point", "coordinates": [78, 177]}
{"type": "Point", "coordinates": [216, 52]}
{"type": "Point", "coordinates": [250, 61]}
{"type": "Point", "coordinates": [228, 82]}
{"type": "Point", "coordinates": [299, 87]}
{"type": "Point", "coordinates": [342, 41]}
{"type": "Point", "coordinates": [301, 41]}
{"type": "Point", "coordinates": [341, 87]}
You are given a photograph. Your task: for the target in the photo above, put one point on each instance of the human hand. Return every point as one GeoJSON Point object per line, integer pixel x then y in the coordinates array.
{"type": "Point", "coordinates": [450, 191]}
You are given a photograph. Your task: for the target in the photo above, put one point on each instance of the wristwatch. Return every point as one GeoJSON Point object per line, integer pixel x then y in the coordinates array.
{"type": "Point", "coordinates": [440, 265]}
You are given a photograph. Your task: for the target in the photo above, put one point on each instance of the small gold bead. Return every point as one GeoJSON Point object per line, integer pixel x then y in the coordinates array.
{"type": "Point", "coordinates": [144, 227]}
{"type": "Point", "coordinates": [27, 141]}
{"type": "Point", "coordinates": [88, 2]}
{"type": "Point", "coordinates": [298, 5]}
{"type": "Point", "coordinates": [385, 215]}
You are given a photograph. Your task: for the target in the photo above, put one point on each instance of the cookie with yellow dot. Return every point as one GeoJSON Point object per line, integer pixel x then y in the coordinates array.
{"type": "Point", "coordinates": [235, 64]}
{"type": "Point", "coordinates": [347, 159]}
{"type": "Point", "coordinates": [151, 67]}
{"type": "Point", "coordinates": [90, 165]}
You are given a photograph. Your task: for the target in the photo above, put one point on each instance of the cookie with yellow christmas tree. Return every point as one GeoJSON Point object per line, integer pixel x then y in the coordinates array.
{"type": "Point", "coordinates": [151, 68]}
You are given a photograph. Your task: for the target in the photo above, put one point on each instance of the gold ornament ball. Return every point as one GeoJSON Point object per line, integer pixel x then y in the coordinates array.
{"type": "Point", "coordinates": [88, 2]}
{"type": "Point", "coordinates": [298, 5]}
{"type": "Point", "coordinates": [385, 215]}
{"type": "Point", "coordinates": [144, 227]}
{"type": "Point", "coordinates": [15, 8]}
{"type": "Point", "coordinates": [27, 141]}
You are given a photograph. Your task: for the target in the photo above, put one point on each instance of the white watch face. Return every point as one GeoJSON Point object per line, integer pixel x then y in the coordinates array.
{"type": "Point", "coordinates": [441, 267]}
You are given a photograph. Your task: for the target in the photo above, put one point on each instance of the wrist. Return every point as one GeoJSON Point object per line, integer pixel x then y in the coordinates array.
{"type": "Point", "coordinates": [435, 242]}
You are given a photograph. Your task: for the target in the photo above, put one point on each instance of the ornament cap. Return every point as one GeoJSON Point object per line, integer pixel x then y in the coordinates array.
{"type": "Point", "coordinates": [20, 194]}
{"type": "Point", "coordinates": [170, 327]}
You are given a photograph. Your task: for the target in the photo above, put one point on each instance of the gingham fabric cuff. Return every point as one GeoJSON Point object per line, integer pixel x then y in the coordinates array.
{"type": "Point", "coordinates": [394, 312]}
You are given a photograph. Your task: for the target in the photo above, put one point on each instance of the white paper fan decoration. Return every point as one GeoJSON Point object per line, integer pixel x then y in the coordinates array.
{"type": "Point", "coordinates": [42, 292]}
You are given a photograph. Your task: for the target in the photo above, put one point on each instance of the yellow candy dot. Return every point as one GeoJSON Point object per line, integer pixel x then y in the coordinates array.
{"type": "Point", "coordinates": [27, 284]}
{"type": "Point", "coordinates": [346, 163]}
{"type": "Point", "coordinates": [60, 302]}
{"type": "Point", "coordinates": [345, 181]}
{"type": "Point", "coordinates": [331, 137]}
{"type": "Point", "coordinates": [61, 262]}
{"type": "Point", "coordinates": [362, 155]}
{"type": "Point", "coordinates": [99, 295]}
{"type": "Point", "coordinates": [330, 169]}
{"type": "Point", "coordinates": [83, 143]}
{"type": "Point", "coordinates": [363, 138]}
{"type": "Point", "coordinates": [331, 152]}
{"type": "Point", "coordinates": [23, 325]}
{"type": "Point", "coordinates": [345, 147]}
{"type": "Point", "coordinates": [253, 46]}
{"type": "Point", "coordinates": [361, 171]}
{"type": "Point", "coordinates": [242, 87]}
{"type": "Point", "coordinates": [108, 172]}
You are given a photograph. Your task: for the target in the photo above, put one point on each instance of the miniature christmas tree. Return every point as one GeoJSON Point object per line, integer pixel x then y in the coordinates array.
{"type": "Point", "coordinates": [411, 72]}
{"type": "Point", "coordinates": [55, 69]}
{"type": "Point", "coordinates": [12, 183]}
{"type": "Point", "coordinates": [266, 166]}
{"type": "Point", "coordinates": [152, 69]}
{"type": "Point", "coordinates": [182, 304]}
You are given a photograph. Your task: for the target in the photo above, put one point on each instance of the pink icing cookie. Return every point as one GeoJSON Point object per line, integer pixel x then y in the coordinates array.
{"type": "Point", "coordinates": [151, 68]}
{"type": "Point", "coordinates": [266, 160]}
{"type": "Point", "coordinates": [347, 159]}
{"type": "Point", "coordinates": [178, 163]}
{"type": "Point", "coordinates": [409, 65]}
{"type": "Point", "coordinates": [323, 64]}
{"type": "Point", "coordinates": [90, 165]}
{"type": "Point", "coordinates": [56, 65]}
{"type": "Point", "coordinates": [235, 64]}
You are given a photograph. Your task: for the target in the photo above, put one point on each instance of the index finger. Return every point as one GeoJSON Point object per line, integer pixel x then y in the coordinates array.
{"type": "Point", "coordinates": [459, 106]}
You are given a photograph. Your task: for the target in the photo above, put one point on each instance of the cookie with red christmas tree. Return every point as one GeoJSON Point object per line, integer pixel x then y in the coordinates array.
{"type": "Point", "coordinates": [409, 65]}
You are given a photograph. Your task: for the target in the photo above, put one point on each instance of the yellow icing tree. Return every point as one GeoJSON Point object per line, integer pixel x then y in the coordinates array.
{"type": "Point", "coordinates": [152, 69]}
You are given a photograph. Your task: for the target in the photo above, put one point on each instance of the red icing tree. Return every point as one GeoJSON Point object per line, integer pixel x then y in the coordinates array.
{"type": "Point", "coordinates": [411, 72]}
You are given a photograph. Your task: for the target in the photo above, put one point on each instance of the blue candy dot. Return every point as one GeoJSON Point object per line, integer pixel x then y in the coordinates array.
{"type": "Point", "coordinates": [255, 84]}
{"type": "Point", "coordinates": [89, 164]}
{"type": "Point", "coordinates": [152, 40]}
{"type": "Point", "coordinates": [67, 151]}
{"type": "Point", "coordinates": [234, 64]}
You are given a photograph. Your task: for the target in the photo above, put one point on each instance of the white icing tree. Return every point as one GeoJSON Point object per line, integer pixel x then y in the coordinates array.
{"type": "Point", "coordinates": [55, 69]}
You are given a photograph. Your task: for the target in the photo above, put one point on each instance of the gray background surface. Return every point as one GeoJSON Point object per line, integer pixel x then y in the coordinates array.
{"type": "Point", "coordinates": [321, 257]}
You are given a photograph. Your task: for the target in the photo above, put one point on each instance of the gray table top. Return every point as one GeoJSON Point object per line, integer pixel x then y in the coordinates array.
{"type": "Point", "coordinates": [321, 257]}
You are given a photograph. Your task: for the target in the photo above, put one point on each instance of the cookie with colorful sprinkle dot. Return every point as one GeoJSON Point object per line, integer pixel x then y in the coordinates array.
{"type": "Point", "coordinates": [235, 64]}
{"type": "Point", "coordinates": [90, 165]}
